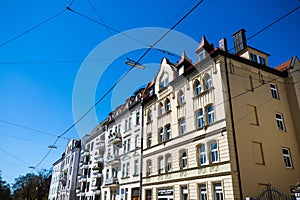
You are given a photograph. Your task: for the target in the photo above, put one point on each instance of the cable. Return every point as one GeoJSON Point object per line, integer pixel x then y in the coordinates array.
{"type": "Point", "coordinates": [106, 26]}
{"type": "Point", "coordinates": [31, 129]}
{"type": "Point", "coordinates": [19, 159]}
{"type": "Point", "coordinates": [32, 28]}
{"type": "Point", "coordinates": [118, 81]}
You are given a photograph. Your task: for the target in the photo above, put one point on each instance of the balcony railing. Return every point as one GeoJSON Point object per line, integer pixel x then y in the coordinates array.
{"type": "Point", "coordinates": [98, 160]}
{"type": "Point", "coordinates": [113, 159]}
{"type": "Point", "coordinates": [111, 181]}
{"type": "Point", "coordinates": [114, 138]}
{"type": "Point", "coordinates": [100, 144]}
{"type": "Point", "coordinates": [85, 152]}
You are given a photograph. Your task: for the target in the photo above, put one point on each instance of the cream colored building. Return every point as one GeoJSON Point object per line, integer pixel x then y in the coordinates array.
{"type": "Point", "coordinates": [90, 178]}
{"type": "Point", "coordinates": [123, 151]}
{"type": "Point", "coordinates": [222, 127]}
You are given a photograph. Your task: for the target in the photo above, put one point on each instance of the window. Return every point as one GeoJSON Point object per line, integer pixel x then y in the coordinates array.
{"type": "Point", "coordinates": [168, 132]}
{"type": "Point", "coordinates": [197, 87]}
{"type": "Point", "coordinates": [123, 170]}
{"type": "Point", "coordinates": [160, 165]}
{"type": "Point", "coordinates": [149, 116]}
{"type": "Point", "coordinates": [128, 145]}
{"type": "Point", "coordinates": [207, 82]}
{"type": "Point", "coordinates": [136, 167]}
{"type": "Point", "coordinates": [149, 168]}
{"type": "Point", "coordinates": [168, 105]}
{"type": "Point", "coordinates": [202, 192]}
{"type": "Point", "coordinates": [180, 97]}
{"type": "Point", "coordinates": [160, 109]}
{"type": "Point", "coordinates": [183, 159]}
{"type": "Point", "coordinates": [126, 125]}
{"type": "Point", "coordinates": [200, 119]}
{"type": "Point", "coordinates": [127, 169]}
{"type": "Point", "coordinates": [164, 81]}
{"type": "Point", "coordinates": [182, 126]}
{"type": "Point", "coordinates": [129, 123]}
{"type": "Point", "coordinates": [201, 55]}
{"type": "Point", "coordinates": [210, 114]}
{"type": "Point", "coordinates": [136, 141]}
{"type": "Point", "coordinates": [149, 140]}
{"type": "Point", "coordinates": [214, 155]}
{"type": "Point", "coordinates": [258, 155]}
{"type": "Point", "coordinates": [258, 59]}
{"type": "Point", "coordinates": [184, 193]}
{"type": "Point", "coordinates": [274, 91]}
{"type": "Point", "coordinates": [168, 163]}
{"type": "Point", "coordinates": [280, 122]}
{"type": "Point", "coordinates": [287, 158]}
{"type": "Point", "coordinates": [124, 146]}
{"type": "Point", "coordinates": [137, 118]}
{"type": "Point", "coordinates": [202, 154]}
{"type": "Point", "coordinates": [161, 135]}
{"type": "Point", "coordinates": [218, 191]}
{"type": "Point", "coordinates": [149, 194]}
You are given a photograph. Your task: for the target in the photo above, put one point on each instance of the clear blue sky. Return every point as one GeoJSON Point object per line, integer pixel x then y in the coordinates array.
{"type": "Point", "coordinates": [38, 69]}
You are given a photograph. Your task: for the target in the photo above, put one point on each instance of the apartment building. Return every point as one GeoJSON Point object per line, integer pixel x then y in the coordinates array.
{"type": "Point", "coordinates": [221, 128]}
{"type": "Point", "coordinates": [63, 181]}
{"type": "Point", "coordinates": [123, 151]}
{"type": "Point", "coordinates": [90, 179]}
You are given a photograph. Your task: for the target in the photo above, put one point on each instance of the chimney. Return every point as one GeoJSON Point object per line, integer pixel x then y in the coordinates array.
{"type": "Point", "coordinates": [223, 44]}
{"type": "Point", "coordinates": [239, 39]}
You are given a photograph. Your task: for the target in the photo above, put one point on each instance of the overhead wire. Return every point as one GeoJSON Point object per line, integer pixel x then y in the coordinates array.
{"type": "Point", "coordinates": [16, 157]}
{"type": "Point", "coordinates": [120, 79]}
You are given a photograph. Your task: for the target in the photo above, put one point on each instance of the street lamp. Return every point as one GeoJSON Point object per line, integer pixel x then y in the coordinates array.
{"type": "Point", "coordinates": [133, 63]}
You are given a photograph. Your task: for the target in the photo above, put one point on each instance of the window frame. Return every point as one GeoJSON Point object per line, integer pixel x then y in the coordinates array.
{"type": "Point", "coordinates": [202, 155]}
{"type": "Point", "coordinates": [207, 81]}
{"type": "Point", "coordinates": [287, 158]}
{"type": "Point", "coordinates": [168, 132]}
{"type": "Point", "coordinates": [214, 152]}
{"type": "Point", "coordinates": [202, 195]}
{"type": "Point", "coordinates": [210, 114]}
{"type": "Point", "coordinates": [183, 159]}
{"type": "Point", "coordinates": [182, 126]}
{"type": "Point", "coordinates": [274, 91]}
{"type": "Point", "coordinates": [160, 165]}
{"type": "Point", "coordinates": [280, 122]}
{"type": "Point", "coordinates": [197, 87]}
{"type": "Point", "coordinates": [200, 118]}
{"type": "Point", "coordinates": [218, 191]}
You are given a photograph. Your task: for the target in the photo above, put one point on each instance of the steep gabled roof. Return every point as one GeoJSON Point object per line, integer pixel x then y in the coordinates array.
{"type": "Point", "coordinates": [284, 66]}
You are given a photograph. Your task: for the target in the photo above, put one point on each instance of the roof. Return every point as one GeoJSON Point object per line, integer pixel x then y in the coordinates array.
{"type": "Point", "coordinates": [284, 66]}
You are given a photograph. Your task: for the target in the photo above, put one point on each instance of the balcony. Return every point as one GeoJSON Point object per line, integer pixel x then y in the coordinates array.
{"type": "Point", "coordinates": [94, 187]}
{"type": "Point", "coordinates": [114, 138]}
{"type": "Point", "coordinates": [84, 166]}
{"type": "Point", "coordinates": [164, 119]}
{"type": "Point", "coordinates": [82, 178]}
{"type": "Point", "coordinates": [100, 144]}
{"type": "Point", "coordinates": [97, 192]}
{"type": "Point", "coordinates": [112, 182]}
{"type": "Point", "coordinates": [114, 159]}
{"type": "Point", "coordinates": [96, 156]}
{"type": "Point", "coordinates": [85, 153]}
{"type": "Point", "coordinates": [203, 99]}
{"type": "Point", "coordinates": [99, 160]}
{"type": "Point", "coordinates": [97, 175]}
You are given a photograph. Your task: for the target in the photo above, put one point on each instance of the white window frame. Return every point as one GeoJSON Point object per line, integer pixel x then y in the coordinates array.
{"type": "Point", "coordinates": [202, 192]}
{"type": "Point", "coordinates": [182, 127]}
{"type": "Point", "coordinates": [168, 105]}
{"type": "Point", "coordinates": [210, 114]}
{"type": "Point", "coordinates": [160, 165]}
{"type": "Point", "coordinates": [168, 163]}
{"type": "Point", "coordinates": [183, 159]}
{"type": "Point", "coordinates": [287, 158]}
{"type": "Point", "coordinates": [136, 167]}
{"type": "Point", "coordinates": [197, 88]}
{"type": "Point", "coordinates": [149, 140]}
{"type": "Point", "coordinates": [149, 168]}
{"type": "Point", "coordinates": [200, 119]}
{"type": "Point", "coordinates": [218, 191]}
{"type": "Point", "coordinates": [274, 91]}
{"type": "Point", "coordinates": [180, 97]}
{"type": "Point", "coordinates": [214, 152]}
{"type": "Point", "coordinates": [168, 132]}
{"type": "Point", "coordinates": [161, 135]}
{"type": "Point", "coordinates": [202, 155]}
{"type": "Point", "coordinates": [280, 122]}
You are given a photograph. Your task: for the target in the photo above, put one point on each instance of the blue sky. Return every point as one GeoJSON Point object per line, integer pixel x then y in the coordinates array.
{"type": "Point", "coordinates": [39, 68]}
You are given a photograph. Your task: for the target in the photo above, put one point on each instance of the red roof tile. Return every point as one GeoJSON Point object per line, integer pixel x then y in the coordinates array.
{"type": "Point", "coordinates": [284, 66]}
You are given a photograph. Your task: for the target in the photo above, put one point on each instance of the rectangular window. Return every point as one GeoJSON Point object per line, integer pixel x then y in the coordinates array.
{"type": "Point", "coordinates": [214, 155]}
{"type": "Point", "coordinates": [287, 158]}
{"type": "Point", "coordinates": [149, 140]}
{"type": "Point", "coordinates": [202, 192]}
{"type": "Point", "coordinates": [148, 194]}
{"type": "Point", "coordinates": [210, 114]}
{"type": "Point", "coordinates": [161, 135]}
{"type": "Point", "coordinates": [258, 155]}
{"type": "Point", "coordinates": [136, 167]}
{"type": "Point", "coordinates": [252, 115]}
{"type": "Point", "coordinates": [169, 163]}
{"type": "Point", "coordinates": [149, 168]}
{"type": "Point", "coordinates": [253, 57]}
{"type": "Point", "coordinates": [123, 170]}
{"type": "Point", "coordinates": [124, 146]}
{"type": "Point", "coordinates": [202, 154]}
{"type": "Point", "coordinates": [280, 122]}
{"type": "Point", "coordinates": [274, 91]}
{"type": "Point", "coordinates": [128, 145]}
{"type": "Point", "coordinates": [183, 160]}
{"type": "Point", "coordinates": [182, 126]}
{"type": "Point", "coordinates": [137, 119]}
{"type": "Point", "coordinates": [129, 123]}
{"type": "Point", "coordinates": [200, 119]}
{"type": "Point", "coordinates": [136, 141]}
{"type": "Point", "coordinates": [184, 193]}
{"type": "Point", "coordinates": [168, 132]}
{"type": "Point", "coordinates": [127, 169]}
{"type": "Point", "coordinates": [161, 165]}
{"type": "Point", "coordinates": [218, 191]}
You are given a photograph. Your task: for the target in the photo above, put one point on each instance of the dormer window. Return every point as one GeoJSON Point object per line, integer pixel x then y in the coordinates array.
{"type": "Point", "coordinates": [151, 92]}
{"type": "Point", "coordinates": [181, 70]}
{"type": "Point", "coordinates": [201, 55]}
{"type": "Point", "coordinates": [164, 81]}
{"type": "Point", "coordinates": [258, 59]}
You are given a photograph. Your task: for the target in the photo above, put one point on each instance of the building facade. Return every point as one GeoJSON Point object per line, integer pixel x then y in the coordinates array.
{"type": "Point", "coordinates": [64, 176]}
{"type": "Point", "coordinates": [90, 179]}
{"type": "Point", "coordinates": [123, 152]}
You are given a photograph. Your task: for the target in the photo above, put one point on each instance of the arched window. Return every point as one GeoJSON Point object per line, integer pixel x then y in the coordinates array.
{"type": "Point", "coordinates": [180, 97]}
{"type": "Point", "coordinates": [197, 87]}
{"type": "Point", "coordinates": [182, 126]}
{"type": "Point", "coordinates": [183, 161]}
{"type": "Point", "coordinates": [207, 81]}
{"type": "Point", "coordinates": [160, 109]}
{"type": "Point", "coordinates": [167, 105]}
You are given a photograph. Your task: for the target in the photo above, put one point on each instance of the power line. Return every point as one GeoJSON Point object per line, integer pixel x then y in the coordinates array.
{"type": "Point", "coordinates": [32, 28]}
{"type": "Point", "coordinates": [118, 81]}
{"type": "Point", "coordinates": [19, 159]}
{"type": "Point", "coordinates": [31, 129]}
